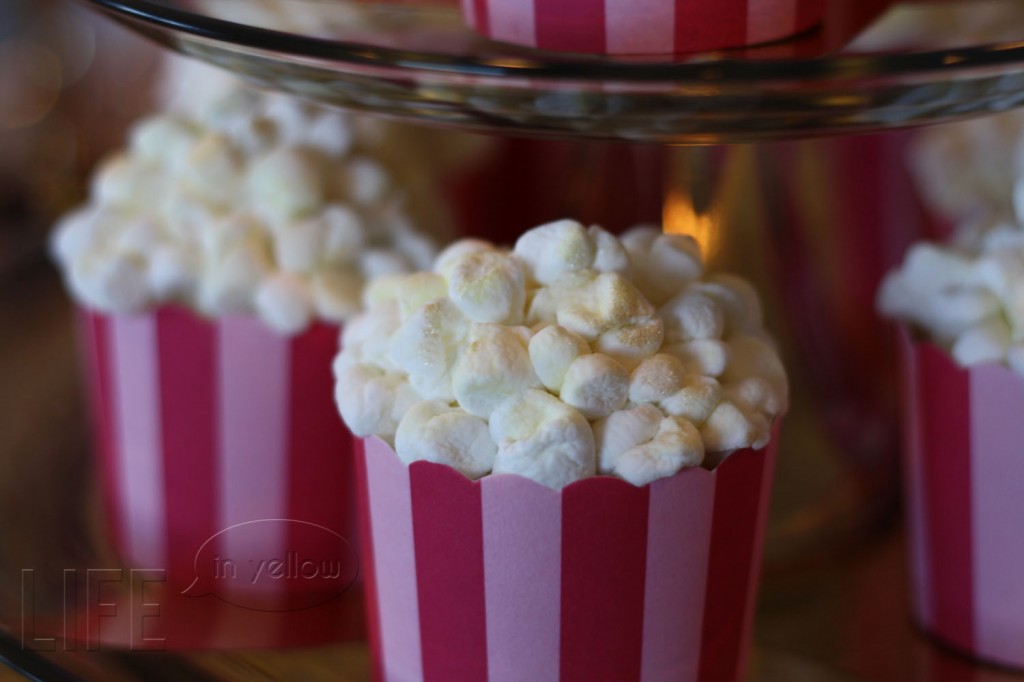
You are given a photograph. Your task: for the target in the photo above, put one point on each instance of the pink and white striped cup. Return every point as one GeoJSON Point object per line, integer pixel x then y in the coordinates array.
{"type": "Point", "coordinates": [964, 480]}
{"type": "Point", "coordinates": [503, 579]}
{"type": "Point", "coordinates": [203, 428]}
{"type": "Point", "coordinates": [641, 27]}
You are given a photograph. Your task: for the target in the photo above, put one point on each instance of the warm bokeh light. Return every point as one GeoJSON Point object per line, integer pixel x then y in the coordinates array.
{"type": "Point", "coordinates": [30, 82]}
{"type": "Point", "coordinates": [681, 217]}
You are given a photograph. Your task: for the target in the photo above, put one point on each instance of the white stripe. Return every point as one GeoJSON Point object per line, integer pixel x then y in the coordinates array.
{"type": "Point", "coordinates": [253, 366]}
{"type": "Point", "coordinates": [640, 26]}
{"type": "Point", "coordinates": [140, 476]}
{"type": "Point", "coordinates": [512, 20]}
{"type": "Point", "coordinates": [394, 559]}
{"type": "Point", "coordinates": [997, 478]}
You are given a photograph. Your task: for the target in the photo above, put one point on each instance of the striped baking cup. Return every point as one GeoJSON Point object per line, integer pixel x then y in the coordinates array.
{"type": "Point", "coordinates": [219, 447]}
{"type": "Point", "coordinates": [964, 479]}
{"type": "Point", "coordinates": [503, 579]}
{"type": "Point", "coordinates": [640, 26]}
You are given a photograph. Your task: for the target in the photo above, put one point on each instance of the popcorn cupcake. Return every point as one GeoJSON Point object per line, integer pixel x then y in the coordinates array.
{"type": "Point", "coordinates": [581, 406]}
{"type": "Point", "coordinates": [962, 308]}
{"type": "Point", "coordinates": [215, 260]}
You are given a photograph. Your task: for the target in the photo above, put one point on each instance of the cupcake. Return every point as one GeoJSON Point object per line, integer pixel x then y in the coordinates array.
{"type": "Point", "coordinates": [962, 311]}
{"type": "Point", "coordinates": [662, 27]}
{"type": "Point", "coordinates": [215, 260]}
{"type": "Point", "coordinates": [569, 434]}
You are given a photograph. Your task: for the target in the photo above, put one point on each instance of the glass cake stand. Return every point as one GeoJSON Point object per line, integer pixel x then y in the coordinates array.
{"type": "Point", "coordinates": [417, 60]}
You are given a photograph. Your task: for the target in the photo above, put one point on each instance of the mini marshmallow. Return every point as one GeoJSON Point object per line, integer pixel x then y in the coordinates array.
{"type": "Point", "coordinates": [728, 428]}
{"type": "Point", "coordinates": [754, 394]}
{"type": "Point", "coordinates": [116, 284]}
{"type": "Point", "coordinates": [426, 347]}
{"type": "Point", "coordinates": [433, 431]}
{"type": "Point", "coordinates": [555, 250]}
{"type": "Point", "coordinates": [595, 385]}
{"type": "Point", "coordinates": [655, 379]}
{"type": "Point", "coordinates": [343, 234]}
{"type": "Point", "coordinates": [676, 444]}
{"type": "Point", "coordinates": [337, 294]}
{"type": "Point", "coordinates": [231, 286]}
{"type": "Point", "coordinates": [987, 342]}
{"type": "Point", "coordinates": [542, 438]}
{"type": "Point", "coordinates": [163, 139]}
{"type": "Point", "coordinates": [607, 302]}
{"type": "Point", "coordinates": [696, 400]}
{"type": "Point", "coordinates": [488, 287]}
{"type": "Point", "coordinates": [410, 292]}
{"type": "Point", "coordinates": [622, 431]}
{"type": "Point", "coordinates": [662, 263]}
{"type": "Point", "coordinates": [709, 357]}
{"type": "Point", "coordinates": [609, 254]}
{"type": "Point", "coordinates": [371, 401]}
{"type": "Point", "coordinates": [738, 300]}
{"type": "Point", "coordinates": [365, 180]}
{"type": "Point", "coordinates": [285, 302]}
{"type": "Point", "coordinates": [286, 184]}
{"type": "Point", "coordinates": [79, 232]}
{"type": "Point", "coordinates": [211, 170]}
{"type": "Point", "coordinates": [173, 272]}
{"type": "Point", "coordinates": [455, 251]}
{"type": "Point", "coordinates": [331, 134]}
{"type": "Point", "coordinates": [298, 246]}
{"type": "Point", "coordinates": [692, 315]}
{"type": "Point", "coordinates": [953, 311]}
{"type": "Point", "coordinates": [631, 344]}
{"type": "Point", "coordinates": [494, 366]}
{"type": "Point", "coordinates": [552, 350]}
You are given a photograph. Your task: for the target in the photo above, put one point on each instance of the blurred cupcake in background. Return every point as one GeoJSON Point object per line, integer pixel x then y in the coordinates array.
{"type": "Point", "coordinates": [961, 308]}
{"type": "Point", "coordinates": [215, 261]}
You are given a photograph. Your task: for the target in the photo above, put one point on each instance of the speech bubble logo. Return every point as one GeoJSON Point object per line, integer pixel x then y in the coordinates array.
{"type": "Point", "coordinates": [274, 565]}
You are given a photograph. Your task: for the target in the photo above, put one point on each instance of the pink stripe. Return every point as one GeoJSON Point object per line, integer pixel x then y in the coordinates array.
{"type": "Point", "coordinates": [187, 347]}
{"type": "Point", "coordinates": [448, 529]}
{"type": "Point", "coordinates": [678, 544]}
{"type": "Point", "coordinates": [253, 366]}
{"type": "Point", "coordinates": [913, 480]}
{"type": "Point", "coordinates": [738, 485]}
{"type": "Point", "coordinates": [946, 413]}
{"type": "Point", "coordinates": [140, 463]}
{"type": "Point", "coordinates": [770, 19]}
{"type": "Point", "coordinates": [469, 14]}
{"type": "Point", "coordinates": [997, 477]}
{"type": "Point", "coordinates": [482, 15]}
{"type": "Point", "coordinates": [571, 25]}
{"type": "Point", "coordinates": [513, 20]}
{"type": "Point", "coordinates": [703, 25]}
{"type": "Point", "coordinates": [367, 560]}
{"type": "Point", "coordinates": [320, 477]}
{"type": "Point", "coordinates": [604, 524]}
{"type": "Point", "coordinates": [522, 569]}
{"type": "Point", "coordinates": [640, 26]}
{"type": "Point", "coordinates": [394, 559]}
{"type": "Point", "coordinates": [757, 556]}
